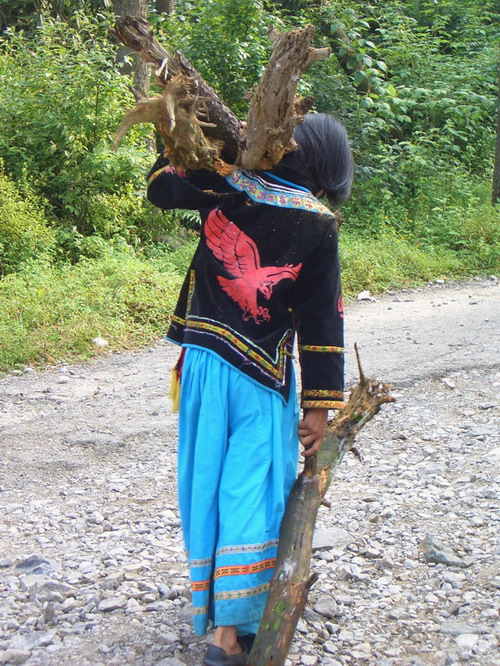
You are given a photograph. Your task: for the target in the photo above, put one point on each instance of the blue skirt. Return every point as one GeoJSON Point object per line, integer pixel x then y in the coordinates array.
{"type": "Point", "coordinates": [238, 447]}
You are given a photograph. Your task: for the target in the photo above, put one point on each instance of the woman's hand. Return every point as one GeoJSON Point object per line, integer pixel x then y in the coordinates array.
{"type": "Point", "coordinates": [312, 430]}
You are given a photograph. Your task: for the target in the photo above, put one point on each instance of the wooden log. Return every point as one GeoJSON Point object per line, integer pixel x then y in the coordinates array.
{"type": "Point", "coordinates": [174, 113]}
{"type": "Point", "coordinates": [275, 108]}
{"type": "Point", "coordinates": [272, 117]}
{"type": "Point", "coordinates": [292, 580]}
{"type": "Point", "coordinates": [221, 123]}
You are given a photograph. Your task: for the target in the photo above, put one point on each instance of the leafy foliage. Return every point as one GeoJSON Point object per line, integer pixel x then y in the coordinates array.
{"type": "Point", "coordinates": [83, 253]}
{"type": "Point", "coordinates": [60, 102]}
{"type": "Point", "coordinates": [25, 233]}
{"type": "Point", "coordinates": [226, 40]}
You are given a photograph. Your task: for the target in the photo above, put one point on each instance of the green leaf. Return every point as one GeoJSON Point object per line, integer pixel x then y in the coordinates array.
{"type": "Point", "coordinates": [359, 77]}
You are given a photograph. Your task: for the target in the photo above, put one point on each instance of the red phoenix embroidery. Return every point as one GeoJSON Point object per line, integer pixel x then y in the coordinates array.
{"type": "Point", "coordinates": [240, 256]}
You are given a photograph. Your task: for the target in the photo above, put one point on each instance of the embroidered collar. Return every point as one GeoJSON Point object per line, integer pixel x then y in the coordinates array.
{"type": "Point", "coordinates": [283, 194]}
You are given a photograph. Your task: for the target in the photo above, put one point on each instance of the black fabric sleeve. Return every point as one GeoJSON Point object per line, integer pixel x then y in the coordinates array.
{"type": "Point", "coordinates": [169, 188]}
{"type": "Point", "coordinates": [320, 325]}
{"type": "Point", "coordinates": [178, 321]}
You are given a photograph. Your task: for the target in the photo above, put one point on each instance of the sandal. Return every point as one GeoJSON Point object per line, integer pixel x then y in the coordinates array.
{"type": "Point", "coordinates": [216, 656]}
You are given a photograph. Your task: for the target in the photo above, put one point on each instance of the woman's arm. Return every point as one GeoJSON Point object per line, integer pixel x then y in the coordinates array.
{"type": "Point", "coordinates": [171, 188]}
{"type": "Point", "coordinates": [318, 307]}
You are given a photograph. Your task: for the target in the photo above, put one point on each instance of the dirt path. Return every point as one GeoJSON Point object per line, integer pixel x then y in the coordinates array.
{"type": "Point", "coordinates": [87, 482]}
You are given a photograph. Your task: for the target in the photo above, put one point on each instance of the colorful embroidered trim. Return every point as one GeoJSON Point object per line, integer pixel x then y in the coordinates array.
{"type": "Point", "coordinates": [325, 404]}
{"type": "Point", "coordinates": [250, 548]}
{"type": "Point", "coordinates": [200, 610]}
{"type": "Point", "coordinates": [163, 169]}
{"type": "Point", "coordinates": [241, 594]}
{"type": "Point", "coordinates": [262, 191]}
{"type": "Point", "coordinates": [243, 570]}
{"type": "Point", "coordinates": [178, 320]}
{"type": "Point", "coordinates": [321, 393]}
{"type": "Point", "coordinates": [201, 563]}
{"type": "Point", "coordinates": [322, 348]}
{"type": "Point", "coordinates": [200, 585]}
{"type": "Point", "coordinates": [274, 367]}
{"type": "Point", "coordinates": [190, 290]}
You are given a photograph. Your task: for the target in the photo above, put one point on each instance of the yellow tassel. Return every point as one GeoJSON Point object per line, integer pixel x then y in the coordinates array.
{"type": "Point", "coordinates": [175, 389]}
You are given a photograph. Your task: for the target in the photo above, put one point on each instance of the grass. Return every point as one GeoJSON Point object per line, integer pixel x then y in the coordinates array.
{"type": "Point", "coordinates": [51, 313]}
{"type": "Point", "coordinates": [388, 262]}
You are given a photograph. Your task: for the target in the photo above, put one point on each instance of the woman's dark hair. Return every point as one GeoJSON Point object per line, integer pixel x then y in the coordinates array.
{"type": "Point", "coordinates": [324, 155]}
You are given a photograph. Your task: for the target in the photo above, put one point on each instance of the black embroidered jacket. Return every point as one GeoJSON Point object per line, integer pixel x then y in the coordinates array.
{"type": "Point", "coordinates": [266, 267]}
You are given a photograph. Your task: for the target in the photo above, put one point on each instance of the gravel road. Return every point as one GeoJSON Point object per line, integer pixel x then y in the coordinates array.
{"type": "Point", "coordinates": [91, 559]}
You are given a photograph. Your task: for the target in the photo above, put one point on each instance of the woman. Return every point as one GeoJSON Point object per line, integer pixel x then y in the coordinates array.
{"type": "Point", "coordinates": [266, 268]}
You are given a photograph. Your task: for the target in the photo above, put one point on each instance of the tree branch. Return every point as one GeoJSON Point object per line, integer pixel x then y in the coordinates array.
{"type": "Point", "coordinates": [291, 581]}
{"type": "Point", "coordinates": [274, 112]}
{"type": "Point", "coordinates": [272, 117]}
{"type": "Point", "coordinates": [223, 125]}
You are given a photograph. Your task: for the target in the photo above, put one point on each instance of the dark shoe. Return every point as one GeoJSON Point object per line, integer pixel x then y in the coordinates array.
{"type": "Point", "coordinates": [216, 656]}
{"type": "Point", "coordinates": [247, 641]}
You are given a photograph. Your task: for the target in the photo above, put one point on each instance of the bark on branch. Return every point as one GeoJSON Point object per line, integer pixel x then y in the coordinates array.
{"type": "Point", "coordinates": [292, 580]}
{"type": "Point", "coordinates": [189, 107]}
{"type": "Point", "coordinates": [274, 110]}
{"type": "Point", "coordinates": [221, 124]}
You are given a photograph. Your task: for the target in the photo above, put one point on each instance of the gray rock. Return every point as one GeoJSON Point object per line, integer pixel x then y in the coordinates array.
{"type": "Point", "coordinates": [37, 565]}
{"type": "Point", "coordinates": [96, 517]}
{"type": "Point", "coordinates": [455, 628]}
{"type": "Point", "coordinates": [168, 638]}
{"type": "Point", "coordinates": [438, 552]}
{"type": "Point", "coordinates": [49, 613]}
{"type": "Point", "coordinates": [112, 603]}
{"type": "Point", "coordinates": [488, 430]}
{"type": "Point", "coordinates": [466, 641]}
{"type": "Point", "coordinates": [365, 296]}
{"type": "Point", "coordinates": [31, 584]}
{"type": "Point", "coordinates": [14, 656]}
{"type": "Point", "coordinates": [330, 647]}
{"type": "Point", "coordinates": [32, 639]}
{"type": "Point", "coordinates": [331, 537]}
{"type": "Point", "coordinates": [448, 383]}
{"type": "Point", "coordinates": [70, 604]}
{"type": "Point", "coordinates": [327, 607]}
{"type": "Point", "coordinates": [437, 468]}
{"type": "Point", "coordinates": [170, 661]}
{"type": "Point", "coordinates": [51, 588]}
{"type": "Point", "coordinates": [133, 606]}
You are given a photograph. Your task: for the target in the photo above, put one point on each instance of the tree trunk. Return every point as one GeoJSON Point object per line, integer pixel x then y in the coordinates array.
{"type": "Point", "coordinates": [165, 6]}
{"type": "Point", "coordinates": [496, 170]}
{"type": "Point", "coordinates": [347, 58]}
{"type": "Point", "coordinates": [139, 68]}
{"type": "Point", "coordinates": [291, 581]}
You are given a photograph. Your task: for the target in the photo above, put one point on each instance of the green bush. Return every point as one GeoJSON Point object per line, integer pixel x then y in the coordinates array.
{"type": "Point", "coordinates": [226, 41]}
{"type": "Point", "coordinates": [62, 96]}
{"type": "Point", "coordinates": [25, 233]}
{"type": "Point", "coordinates": [52, 313]}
